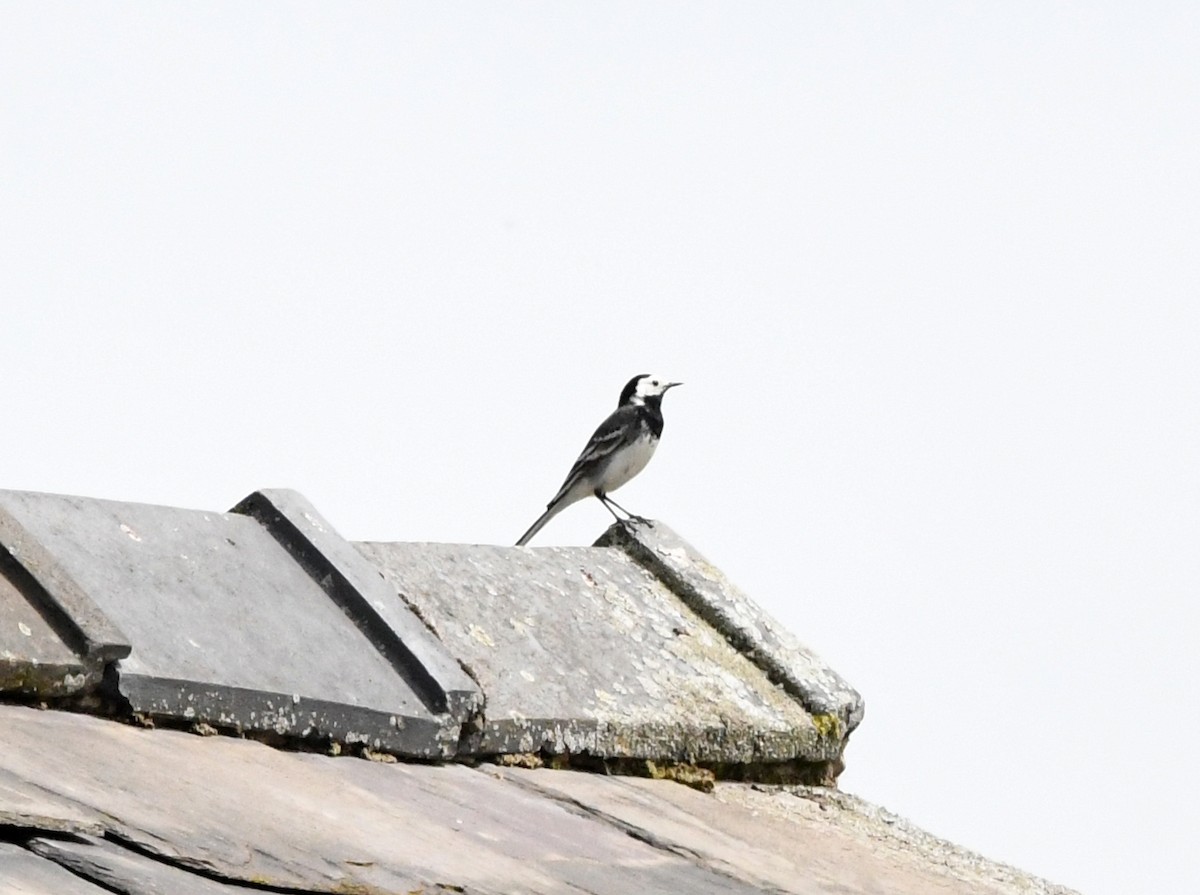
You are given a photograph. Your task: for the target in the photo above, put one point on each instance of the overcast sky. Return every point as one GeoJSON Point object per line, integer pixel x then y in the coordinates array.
{"type": "Point", "coordinates": [928, 271]}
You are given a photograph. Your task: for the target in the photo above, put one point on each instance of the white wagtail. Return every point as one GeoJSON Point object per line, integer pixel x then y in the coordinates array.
{"type": "Point", "coordinates": [618, 451]}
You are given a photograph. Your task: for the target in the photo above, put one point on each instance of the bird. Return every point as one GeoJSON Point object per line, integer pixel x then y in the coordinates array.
{"type": "Point", "coordinates": [617, 451]}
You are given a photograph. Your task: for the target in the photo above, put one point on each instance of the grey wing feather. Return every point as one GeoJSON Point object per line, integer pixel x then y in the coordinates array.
{"type": "Point", "coordinates": [609, 436]}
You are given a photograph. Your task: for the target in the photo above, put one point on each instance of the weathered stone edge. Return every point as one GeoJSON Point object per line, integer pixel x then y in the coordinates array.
{"type": "Point", "coordinates": [357, 586]}
{"type": "Point", "coordinates": [619, 740]}
{"type": "Point", "coordinates": [77, 619]}
{"type": "Point", "coordinates": [244, 710]}
{"type": "Point", "coordinates": [750, 630]}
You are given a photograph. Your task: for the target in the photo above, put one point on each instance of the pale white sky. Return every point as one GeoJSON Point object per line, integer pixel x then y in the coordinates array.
{"type": "Point", "coordinates": [928, 272]}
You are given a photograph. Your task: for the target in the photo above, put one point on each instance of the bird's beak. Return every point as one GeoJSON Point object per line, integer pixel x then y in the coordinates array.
{"type": "Point", "coordinates": [671, 385]}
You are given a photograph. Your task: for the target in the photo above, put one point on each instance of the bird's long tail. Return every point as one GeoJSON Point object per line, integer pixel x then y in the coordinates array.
{"type": "Point", "coordinates": [551, 512]}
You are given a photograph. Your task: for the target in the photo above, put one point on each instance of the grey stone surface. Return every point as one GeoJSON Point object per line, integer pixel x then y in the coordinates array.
{"type": "Point", "coordinates": [34, 659]}
{"type": "Point", "coordinates": [236, 811]}
{"type": "Point", "coordinates": [128, 872]}
{"type": "Point", "coordinates": [229, 628]}
{"type": "Point", "coordinates": [24, 873]}
{"type": "Point", "coordinates": [54, 640]}
{"type": "Point", "coordinates": [24, 804]}
{"type": "Point", "coordinates": [95, 635]}
{"type": "Point", "coordinates": [359, 588]}
{"type": "Point", "coordinates": [583, 650]}
{"type": "Point", "coordinates": [264, 619]}
{"type": "Point", "coordinates": [742, 622]}
{"type": "Point", "coordinates": [830, 817]}
{"type": "Point", "coordinates": [240, 811]}
{"type": "Point", "coordinates": [791, 839]}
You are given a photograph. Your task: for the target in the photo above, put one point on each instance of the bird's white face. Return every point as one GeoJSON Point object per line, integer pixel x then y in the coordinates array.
{"type": "Point", "coordinates": [651, 386]}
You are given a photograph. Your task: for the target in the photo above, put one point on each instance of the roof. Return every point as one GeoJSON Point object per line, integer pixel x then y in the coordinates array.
{"type": "Point", "coordinates": [488, 684]}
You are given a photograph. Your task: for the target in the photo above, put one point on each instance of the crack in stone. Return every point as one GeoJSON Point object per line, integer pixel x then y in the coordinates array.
{"type": "Point", "coordinates": [641, 834]}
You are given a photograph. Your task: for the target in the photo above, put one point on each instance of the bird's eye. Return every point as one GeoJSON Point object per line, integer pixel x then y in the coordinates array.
{"type": "Point", "coordinates": [654, 383]}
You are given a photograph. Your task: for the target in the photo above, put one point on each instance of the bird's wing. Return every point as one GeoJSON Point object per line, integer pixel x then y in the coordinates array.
{"type": "Point", "coordinates": [618, 430]}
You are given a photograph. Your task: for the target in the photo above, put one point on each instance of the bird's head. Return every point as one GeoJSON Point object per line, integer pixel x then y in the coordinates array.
{"type": "Point", "coordinates": [643, 387]}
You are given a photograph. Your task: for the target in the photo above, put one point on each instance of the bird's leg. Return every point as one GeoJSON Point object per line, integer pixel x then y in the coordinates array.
{"type": "Point", "coordinates": [638, 520]}
{"type": "Point", "coordinates": [604, 500]}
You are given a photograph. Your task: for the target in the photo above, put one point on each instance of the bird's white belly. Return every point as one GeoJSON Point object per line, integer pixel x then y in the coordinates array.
{"type": "Point", "coordinates": [629, 462]}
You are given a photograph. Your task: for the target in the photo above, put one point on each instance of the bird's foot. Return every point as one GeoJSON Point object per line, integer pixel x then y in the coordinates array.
{"type": "Point", "coordinates": [637, 520]}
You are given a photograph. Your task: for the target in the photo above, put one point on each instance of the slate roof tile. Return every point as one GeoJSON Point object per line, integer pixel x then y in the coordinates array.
{"type": "Point", "coordinates": [633, 655]}
{"type": "Point", "coordinates": [161, 806]}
